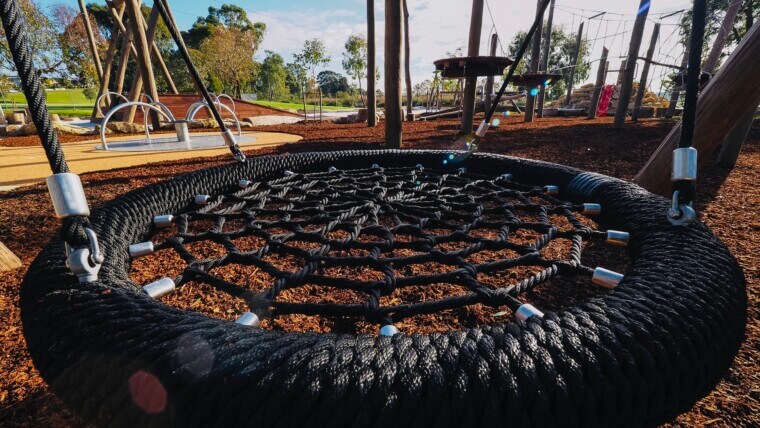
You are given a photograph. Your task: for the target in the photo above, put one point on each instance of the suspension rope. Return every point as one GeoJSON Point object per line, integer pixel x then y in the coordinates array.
{"type": "Point", "coordinates": [171, 25]}
{"type": "Point", "coordinates": [520, 53]}
{"type": "Point", "coordinates": [73, 228]}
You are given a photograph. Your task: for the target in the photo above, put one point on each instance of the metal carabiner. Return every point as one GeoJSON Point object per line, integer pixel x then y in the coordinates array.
{"type": "Point", "coordinates": [681, 214]}
{"type": "Point", "coordinates": [85, 262]}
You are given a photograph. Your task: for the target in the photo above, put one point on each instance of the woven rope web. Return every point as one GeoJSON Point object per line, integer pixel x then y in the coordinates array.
{"type": "Point", "coordinates": [409, 227]}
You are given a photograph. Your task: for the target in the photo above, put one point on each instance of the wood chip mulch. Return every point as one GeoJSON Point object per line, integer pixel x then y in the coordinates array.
{"type": "Point", "coordinates": [729, 202]}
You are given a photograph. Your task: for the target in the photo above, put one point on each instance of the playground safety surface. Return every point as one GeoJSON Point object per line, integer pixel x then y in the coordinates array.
{"type": "Point", "coordinates": [728, 203]}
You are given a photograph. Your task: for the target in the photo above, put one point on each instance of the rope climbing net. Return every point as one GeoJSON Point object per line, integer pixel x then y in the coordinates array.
{"type": "Point", "coordinates": [456, 228]}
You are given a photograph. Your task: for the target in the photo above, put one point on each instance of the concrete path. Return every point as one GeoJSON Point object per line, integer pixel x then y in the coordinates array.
{"type": "Point", "coordinates": [21, 166]}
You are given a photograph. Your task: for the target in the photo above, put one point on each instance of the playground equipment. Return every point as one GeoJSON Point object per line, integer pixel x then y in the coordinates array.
{"type": "Point", "coordinates": [641, 348]}
{"type": "Point", "coordinates": [183, 139]}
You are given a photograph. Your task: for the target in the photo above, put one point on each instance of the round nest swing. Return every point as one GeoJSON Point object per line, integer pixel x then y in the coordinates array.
{"type": "Point", "coordinates": [639, 351]}
{"type": "Point", "coordinates": [636, 355]}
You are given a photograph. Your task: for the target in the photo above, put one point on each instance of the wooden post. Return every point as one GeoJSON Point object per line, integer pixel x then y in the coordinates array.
{"type": "Point", "coordinates": [601, 72]}
{"type": "Point", "coordinates": [729, 97]}
{"type": "Point", "coordinates": [407, 70]}
{"type": "Point", "coordinates": [621, 74]}
{"type": "Point", "coordinates": [732, 144]}
{"type": "Point", "coordinates": [489, 79]}
{"type": "Point", "coordinates": [145, 67]}
{"type": "Point", "coordinates": [320, 104]}
{"type": "Point", "coordinates": [576, 54]}
{"type": "Point", "coordinates": [110, 56]}
{"type": "Point", "coordinates": [544, 66]}
{"type": "Point", "coordinates": [720, 39]}
{"type": "Point", "coordinates": [8, 260]}
{"type": "Point", "coordinates": [645, 73]}
{"type": "Point", "coordinates": [471, 83]}
{"type": "Point", "coordinates": [676, 93]}
{"type": "Point", "coordinates": [630, 65]}
{"type": "Point", "coordinates": [535, 53]}
{"type": "Point", "coordinates": [121, 69]}
{"type": "Point", "coordinates": [303, 96]}
{"type": "Point", "coordinates": [371, 53]}
{"type": "Point", "coordinates": [91, 40]}
{"type": "Point", "coordinates": [393, 35]}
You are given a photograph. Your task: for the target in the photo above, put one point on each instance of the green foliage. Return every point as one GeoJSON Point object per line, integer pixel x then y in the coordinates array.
{"type": "Point", "coordinates": [215, 84]}
{"type": "Point", "coordinates": [271, 83]}
{"type": "Point", "coordinates": [313, 55]}
{"type": "Point", "coordinates": [296, 78]}
{"type": "Point", "coordinates": [90, 92]}
{"type": "Point", "coordinates": [44, 43]}
{"type": "Point", "coordinates": [560, 56]}
{"type": "Point", "coordinates": [331, 82]}
{"type": "Point", "coordinates": [228, 16]}
{"type": "Point", "coordinates": [748, 14]}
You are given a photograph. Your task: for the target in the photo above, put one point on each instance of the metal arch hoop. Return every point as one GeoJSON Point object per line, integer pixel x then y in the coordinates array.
{"type": "Point", "coordinates": [145, 106]}
{"type": "Point", "coordinates": [108, 94]}
{"type": "Point", "coordinates": [198, 105]}
{"type": "Point", "coordinates": [232, 101]}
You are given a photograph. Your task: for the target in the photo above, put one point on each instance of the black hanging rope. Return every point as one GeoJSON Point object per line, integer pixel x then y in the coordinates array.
{"type": "Point", "coordinates": [687, 188]}
{"type": "Point", "coordinates": [18, 44]}
{"type": "Point", "coordinates": [171, 25]}
{"type": "Point", "coordinates": [72, 230]}
{"type": "Point", "coordinates": [517, 59]}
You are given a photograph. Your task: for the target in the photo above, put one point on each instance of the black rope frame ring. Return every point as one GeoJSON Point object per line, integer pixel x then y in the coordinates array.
{"type": "Point", "coordinates": [638, 355]}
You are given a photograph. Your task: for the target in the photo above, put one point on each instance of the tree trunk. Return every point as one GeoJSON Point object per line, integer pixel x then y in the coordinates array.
{"type": "Point", "coordinates": [371, 92]}
{"type": "Point", "coordinates": [303, 95]}
{"type": "Point", "coordinates": [393, 51]}
{"type": "Point", "coordinates": [407, 72]}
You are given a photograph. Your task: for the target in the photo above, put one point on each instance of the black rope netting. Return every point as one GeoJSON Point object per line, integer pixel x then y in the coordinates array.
{"type": "Point", "coordinates": [473, 228]}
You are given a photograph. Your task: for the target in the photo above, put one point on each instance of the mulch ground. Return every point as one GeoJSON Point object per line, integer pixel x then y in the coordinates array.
{"type": "Point", "coordinates": [729, 203]}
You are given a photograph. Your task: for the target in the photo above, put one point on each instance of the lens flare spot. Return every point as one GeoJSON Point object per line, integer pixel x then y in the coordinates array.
{"type": "Point", "coordinates": [506, 113]}
{"type": "Point", "coordinates": [147, 392]}
{"type": "Point", "coordinates": [546, 83]}
{"type": "Point", "coordinates": [451, 157]}
{"type": "Point", "coordinates": [445, 161]}
{"type": "Point", "coordinates": [496, 123]}
{"type": "Point", "coordinates": [534, 91]}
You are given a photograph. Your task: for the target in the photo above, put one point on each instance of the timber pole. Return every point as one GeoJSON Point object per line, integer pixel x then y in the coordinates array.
{"type": "Point", "coordinates": [91, 40]}
{"type": "Point", "coordinates": [729, 97]}
{"type": "Point", "coordinates": [143, 59]}
{"type": "Point", "coordinates": [720, 39]}
{"type": "Point", "coordinates": [630, 65]}
{"type": "Point", "coordinates": [732, 144]}
{"type": "Point", "coordinates": [576, 54]}
{"type": "Point", "coordinates": [645, 74]}
{"type": "Point", "coordinates": [110, 56]}
{"type": "Point", "coordinates": [393, 52]}
{"type": "Point", "coordinates": [489, 79]}
{"type": "Point", "coordinates": [601, 74]}
{"type": "Point", "coordinates": [471, 83]}
{"type": "Point", "coordinates": [544, 66]}
{"type": "Point", "coordinates": [407, 70]}
{"type": "Point", "coordinates": [535, 53]}
{"type": "Point", "coordinates": [371, 53]}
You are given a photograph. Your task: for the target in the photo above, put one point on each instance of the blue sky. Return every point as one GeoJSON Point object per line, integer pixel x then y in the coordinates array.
{"type": "Point", "coordinates": [438, 26]}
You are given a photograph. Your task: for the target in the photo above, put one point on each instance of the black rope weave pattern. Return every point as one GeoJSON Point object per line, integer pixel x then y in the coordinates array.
{"type": "Point", "coordinates": [634, 356]}
{"type": "Point", "coordinates": [380, 212]}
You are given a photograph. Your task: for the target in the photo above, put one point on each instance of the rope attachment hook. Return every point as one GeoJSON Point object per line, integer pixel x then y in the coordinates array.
{"type": "Point", "coordinates": [69, 200]}
{"type": "Point", "coordinates": [684, 177]}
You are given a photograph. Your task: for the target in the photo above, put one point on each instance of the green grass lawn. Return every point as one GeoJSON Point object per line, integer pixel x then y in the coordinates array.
{"type": "Point", "coordinates": [298, 106]}
{"type": "Point", "coordinates": [68, 97]}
